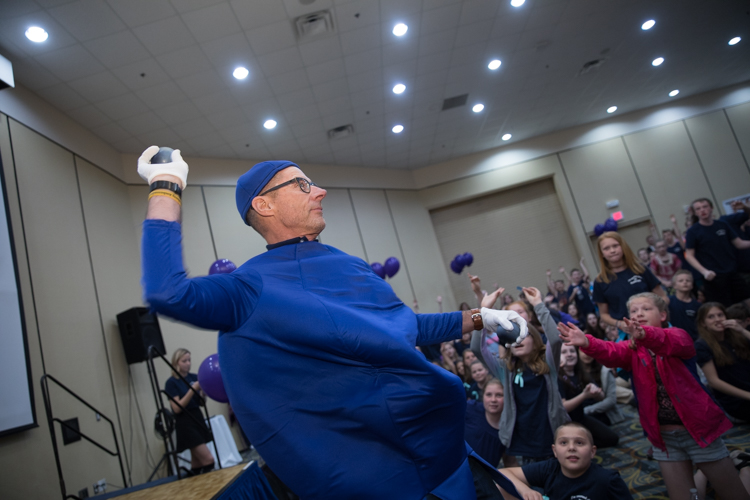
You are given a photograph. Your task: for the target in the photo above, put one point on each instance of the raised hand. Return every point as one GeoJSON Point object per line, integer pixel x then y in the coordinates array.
{"type": "Point", "coordinates": [732, 324]}
{"type": "Point", "coordinates": [633, 329]}
{"type": "Point", "coordinates": [533, 295]}
{"type": "Point", "coordinates": [572, 335]}
{"type": "Point", "coordinates": [493, 319]}
{"type": "Point", "coordinates": [476, 284]}
{"type": "Point", "coordinates": [176, 170]}
{"type": "Point", "coordinates": [549, 272]}
{"type": "Point", "coordinates": [561, 270]}
{"type": "Point", "coordinates": [489, 300]}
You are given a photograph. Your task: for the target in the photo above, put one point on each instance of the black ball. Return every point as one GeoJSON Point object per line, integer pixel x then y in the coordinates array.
{"type": "Point", "coordinates": [163, 156]}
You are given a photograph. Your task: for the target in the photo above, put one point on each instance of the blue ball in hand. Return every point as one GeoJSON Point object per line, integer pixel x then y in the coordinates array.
{"type": "Point", "coordinates": [508, 336]}
{"type": "Point", "coordinates": [163, 156]}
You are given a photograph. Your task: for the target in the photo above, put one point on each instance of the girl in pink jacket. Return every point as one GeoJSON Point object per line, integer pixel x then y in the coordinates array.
{"type": "Point", "coordinates": [679, 417]}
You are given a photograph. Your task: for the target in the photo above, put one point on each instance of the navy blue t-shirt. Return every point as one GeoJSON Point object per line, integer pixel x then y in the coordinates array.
{"type": "Point", "coordinates": [713, 246]}
{"type": "Point", "coordinates": [677, 250]}
{"type": "Point", "coordinates": [176, 389]}
{"type": "Point", "coordinates": [480, 435]}
{"type": "Point", "coordinates": [735, 221]}
{"type": "Point", "coordinates": [532, 435]}
{"type": "Point", "coordinates": [582, 299]}
{"type": "Point", "coordinates": [736, 374]}
{"type": "Point", "coordinates": [682, 315]}
{"type": "Point", "coordinates": [594, 484]}
{"type": "Point", "coordinates": [617, 292]}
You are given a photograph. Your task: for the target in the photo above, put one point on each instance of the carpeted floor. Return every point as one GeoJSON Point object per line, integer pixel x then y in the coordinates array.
{"type": "Point", "coordinates": [641, 474]}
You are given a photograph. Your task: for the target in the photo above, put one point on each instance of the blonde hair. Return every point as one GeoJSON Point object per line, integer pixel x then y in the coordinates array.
{"type": "Point", "coordinates": [176, 356]}
{"type": "Point", "coordinates": [658, 301]}
{"type": "Point", "coordinates": [538, 362]}
{"type": "Point", "coordinates": [631, 262]}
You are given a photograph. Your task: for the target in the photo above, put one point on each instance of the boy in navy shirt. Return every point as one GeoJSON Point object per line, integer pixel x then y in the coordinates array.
{"type": "Point", "coordinates": [682, 306]}
{"type": "Point", "coordinates": [570, 475]}
{"type": "Point", "coordinates": [710, 248]}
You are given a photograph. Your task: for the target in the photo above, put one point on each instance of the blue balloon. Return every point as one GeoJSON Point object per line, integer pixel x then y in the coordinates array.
{"type": "Point", "coordinates": [456, 266]}
{"type": "Point", "coordinates": [598, 229]}
{"type": "Point", "coordinates": [610, 224]}
{"type": "Point", "coordinates": [468, 259]}
{"type": "Point", "coordinates": [378, 269]}
{"type": "Point", "coordinates": [222, 266]}
{"type": "Point", "coordinates": [391, 266]}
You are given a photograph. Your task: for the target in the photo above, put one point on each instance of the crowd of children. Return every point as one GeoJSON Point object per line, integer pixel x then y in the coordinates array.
{"type": "Point", "coordinates": [665, 330]}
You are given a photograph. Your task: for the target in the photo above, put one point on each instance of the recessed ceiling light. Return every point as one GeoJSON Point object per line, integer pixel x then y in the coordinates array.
{"type": "Point", "coordinates": [506, 137]}
{"type": "Point", "coordinates": [398, 129]}
{"type": "Point", "coordinates": [240, 73]}
{"type": "Point", "coordinates": [270, 124]}
{"type": "Point", "coordinates": [400, 29]}
{"type": "Point", "coordinates": [517, 3]}
{"type": "Point", "coordinates": [657, 61]}
{"type": "Point", "coordinates": [399, 88]}
{"type": "Point", "coordinates": [36, 34]}
{"type": "Point", "coordinates": [477, 108]}
{"type": "Point", "coordinates": [674, 93]}
{"type": "Point", "coordinates": [648, 24]}
{"type": "Point", "coordinates": [611, 109]}
{"type": "Point", "coordinates": [494, 64]}
{"type": "Point", "coordinates": [735, 40]}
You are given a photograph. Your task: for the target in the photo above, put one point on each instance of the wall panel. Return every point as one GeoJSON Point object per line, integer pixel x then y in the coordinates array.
{"type": "Point", "coordinates": [669, 171]}
{"type": "Point", "coordinates": [341, 229]}
{"type": "Point", "coordinates": [720, 155]}
{"type": "Point", "coordinates": [739, 119]}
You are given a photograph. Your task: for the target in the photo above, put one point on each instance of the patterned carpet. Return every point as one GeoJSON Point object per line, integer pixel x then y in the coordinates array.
{"type": "Point", "coordinates": [641, 474]}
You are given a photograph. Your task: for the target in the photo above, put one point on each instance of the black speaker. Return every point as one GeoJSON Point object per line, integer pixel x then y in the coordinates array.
{"type": "Point", "coordinates": [139, 329]}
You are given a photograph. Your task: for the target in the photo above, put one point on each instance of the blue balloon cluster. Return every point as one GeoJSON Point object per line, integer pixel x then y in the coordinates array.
{"type": "Point", "coordinates": [389, 268]}
{"type": "Point", "coordinates": [609, 225]}
{"type": "Point", "coordinates": [222, 266]}
{"type": "Point", "coordinates": [460, 261]}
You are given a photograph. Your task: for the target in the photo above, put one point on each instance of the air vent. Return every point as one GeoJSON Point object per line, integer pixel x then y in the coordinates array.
{"type": "Point", "coordinates": [454, 102]}
{"type": "Point", "coordinates": [592, 65]}
{"type": "Point", "coordinates": [314, 25]}
{"type": "Point", "coordinates": [340, 132]}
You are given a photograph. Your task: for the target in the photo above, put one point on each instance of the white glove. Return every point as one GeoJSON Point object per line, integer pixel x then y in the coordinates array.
{"type": "Point", "coordinates": [493, 318]}
{"type": "Point", "coordinates": [177, 167]}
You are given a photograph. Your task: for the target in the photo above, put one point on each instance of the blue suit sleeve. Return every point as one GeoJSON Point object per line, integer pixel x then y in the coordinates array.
{"type": "Point", "coordinates": [218, 302]}
{"type": "Point", "coordinates": [436, 328]}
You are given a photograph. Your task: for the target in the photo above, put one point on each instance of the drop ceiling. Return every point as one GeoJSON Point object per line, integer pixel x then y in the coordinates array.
{"type": "Point", "coordinates": [142, 72]}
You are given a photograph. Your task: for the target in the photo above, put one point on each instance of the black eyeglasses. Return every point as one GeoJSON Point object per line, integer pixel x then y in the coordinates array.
{"type": "Point", "coordinates": [303, 184]}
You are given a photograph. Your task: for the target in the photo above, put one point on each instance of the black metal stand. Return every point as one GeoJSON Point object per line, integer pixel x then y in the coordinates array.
{"type": "Point", "coordinates": [164, 415]}
{"type": "Point", "coordinates": [51, 419]}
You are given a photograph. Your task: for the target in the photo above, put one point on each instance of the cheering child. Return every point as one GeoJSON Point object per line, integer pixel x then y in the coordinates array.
{"type": "Point", "coordinates": [678, 416]}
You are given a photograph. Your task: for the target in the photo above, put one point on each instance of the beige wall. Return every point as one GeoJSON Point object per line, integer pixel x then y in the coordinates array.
{"type": "Point", "coordinates": [81, 215]}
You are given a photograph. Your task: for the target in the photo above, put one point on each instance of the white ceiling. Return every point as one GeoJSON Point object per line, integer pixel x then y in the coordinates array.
{"type": "Point", "coordinates": [142, 72]}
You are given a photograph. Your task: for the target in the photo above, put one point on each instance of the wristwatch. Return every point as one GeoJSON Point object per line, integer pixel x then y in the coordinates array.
{"type": "Point", "coordinates": [476, 317]}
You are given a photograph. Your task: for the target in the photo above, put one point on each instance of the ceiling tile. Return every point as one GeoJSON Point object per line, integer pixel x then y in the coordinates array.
{"type": "Point", "coordinates": [99, 87]}
{"type": "Point", "coordinates": [193, 128]}
{"type": "Point", "coordinates": [139, 12]}
{"type": "Point", "coordinates": [142, 123]}
{"type": "Point", "coordinates": [159, 96]}
{"type": "Point", "coordinates": [336, 120]}
{"type": "Point", "coordinates": [184, 62]}
{"type": "Point", "coordinates": [354, 15]}
{"type": "Point", "coordinates": [258, 12]}
{"type": "Point", "coordinates": [213, 103]}
{"type": "Point", "coordinates": [33, 75]}
{"type": "Point", "coordinates": [271, 38]}
{"type": "Point", "coordinates": [89, 116]}
{"type": "Point", "coordinates": [361, 40]}
{"type": "Point", "coordinates": [295, 8]}
{"type": "Point", "coordinates": [394, 53]}
{"type": "Point", "coordinates": [122, 106]}
{"type": "Point", "coordinates": [212, 22]}
{"type": "Point", "coordinates": [141, 74]}
{"type": "Point", "coordinates": [359, 63]}
{"type": "Point", "coordinates": [166, 35]}
{"type": "Point", "coordinates": [436, 42]}
{"type": "Point", "coordinates": [205, 141]}
{"type": "Point", "coordinates": [163, 137]}
{"type": "Point", "coordinates": [394, 9]}
{"type": "Point", "coordinates": [13, 8]}
{"type": "Point", "coordinates": [331, 90]}
{"type": "Point", "coordinates": [118, 49]}
{"type": "Point", "coordinates": [297, 99]}
{"type": "Point", "coordinates": [233, 50]}
{"type": "Point", "coordinates": [302, 114]}
{"type": "Point", "coordinates": [184, 6]}
{"type": "Point", "coordinates": [364, 81]}
{"type": "Point", "coordinates": [111, 132]}
{"type": "Point", "coordinates": [320, 51]}
{"type": "Point", "coordinates": [88, 19]}
{"type": "Point", "coordinates": [478, 10]}
{"type": "Point", "coordinates": [70, 63]}
{"type": "Point", "coordinates": [440, 19]}
{"type": "Point", "coordinates": [289, 82]}
{"type": "Point", "coordinates": [178, 113]}
{"type": "Point", "coordinates": [198, 85]}
{"type": "Point", "coordinates": [470, 34]}
{"type": "Point", "coordinates": [326, 71]}
{"type": "Point", "coordinates": [228, 118]}
{"type": "Point", "coordinates": [13, 29]}
{"type": "Point", "coordinates": [62, 96]}
{"type": "Point", "coordinates": [280, 62]}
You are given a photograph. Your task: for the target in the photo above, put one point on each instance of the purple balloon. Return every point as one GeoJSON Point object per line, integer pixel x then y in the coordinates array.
{"type": "Point", "coordinates": [610, 225]}
{"type": "Point", "coordinates": [460, 259]}
{"type": "Point", "coordinates": [209, 376]}
{"type": "Point", "coordinates": [598, 229]}
{"type": "Point", "coordinates": [456, 266]}
{"type": "Point", "coordinates": [468, 259]}
{"type": "Point", "coordinates": [222, 266]}
{"type": "Point", "coordinates": [391, 266]}
{"type": "Point", "coordinates": [378, 269]}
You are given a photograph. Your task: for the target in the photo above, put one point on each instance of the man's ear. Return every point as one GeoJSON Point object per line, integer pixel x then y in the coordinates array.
{"type": "Point", "coordinates": [262, 206]}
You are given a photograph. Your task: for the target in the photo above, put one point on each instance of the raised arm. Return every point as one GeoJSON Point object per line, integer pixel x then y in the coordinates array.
{"type": "Point", "coordinates": [662, 341]}
{"type": "Point", "coordinates": [585, 271]}
{"type": "Point", "coordinates": [567, 276]}
{"type": "Point", "coordinates": [676, 229]}
{"type": "Point", "coordinates": [610, 354]}
{"type": "Point", "coordinates": [550, 283]}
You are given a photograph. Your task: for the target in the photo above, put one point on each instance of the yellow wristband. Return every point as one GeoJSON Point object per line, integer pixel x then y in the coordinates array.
{"type": "Point", "coordinates": [167, 193]}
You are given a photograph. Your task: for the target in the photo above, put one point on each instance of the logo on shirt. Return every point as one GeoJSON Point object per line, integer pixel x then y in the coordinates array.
{"type": "Point", "coordinates": [690, 312]}
{"type": "Point", "coordinates": [635, 279]}
{"type": "Point", "coordinates": [721, 232]}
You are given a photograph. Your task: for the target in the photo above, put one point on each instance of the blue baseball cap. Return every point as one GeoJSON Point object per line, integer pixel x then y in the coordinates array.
{"type": "Point", "coordinates": [251, 183]}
